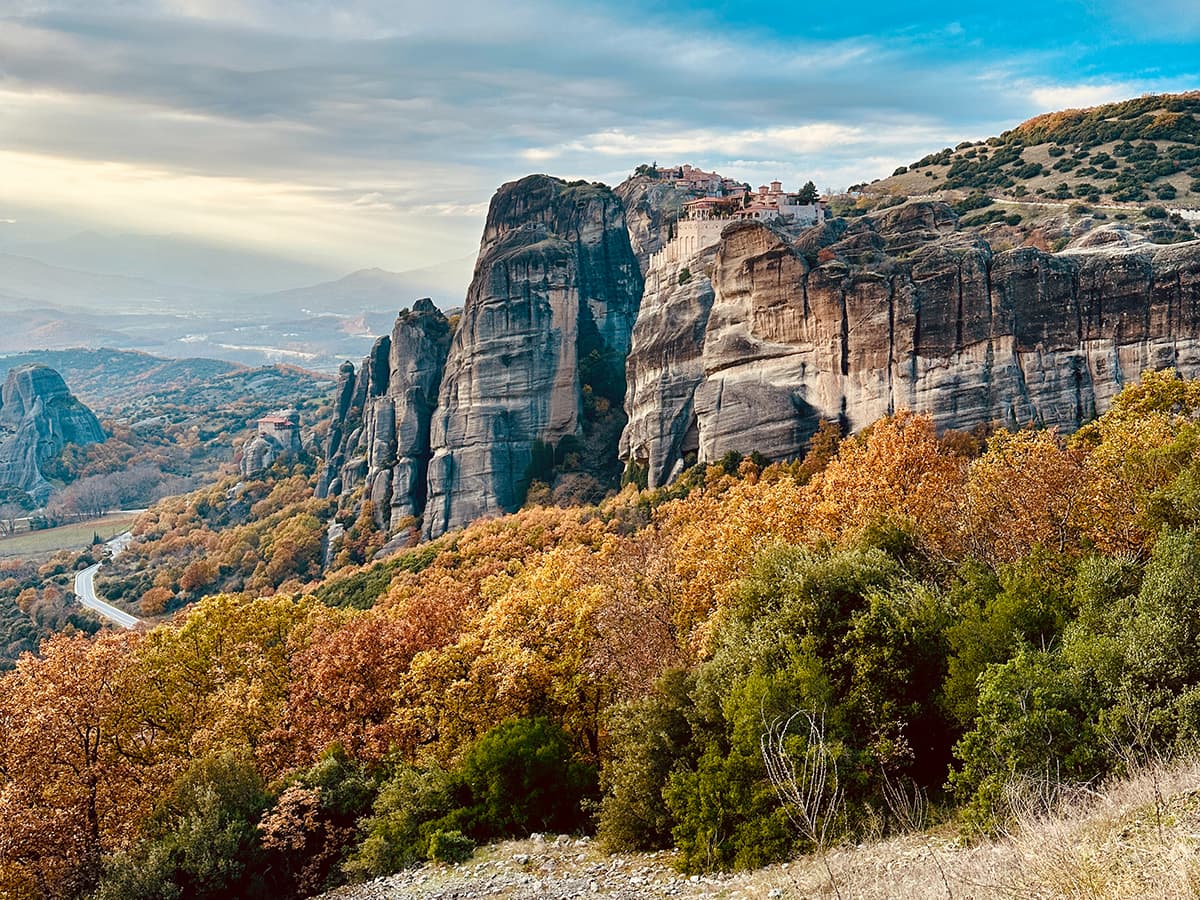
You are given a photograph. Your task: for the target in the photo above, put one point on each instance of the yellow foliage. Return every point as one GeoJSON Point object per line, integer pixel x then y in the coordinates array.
{"type": "Point", "coordinates": [896, 474]}
{"type": "Point", "coordinates": [1022, 493]}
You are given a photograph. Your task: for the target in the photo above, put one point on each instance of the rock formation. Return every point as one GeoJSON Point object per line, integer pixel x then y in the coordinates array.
{"type": "Point", "coordinates": [380, 433]}
{"type": "Point", "coordinates": [38, 418]}
{"type": "Point", "coordinates": [663, 374]}
{"type": "Point", "coordinates": [743, 345]}
{"type": "Point", "coordinates": [278, 438]}
{"type": "Point", "coordinates": [550, 310]}
{"type": "Point", "coordinates": [651, 209]}
{"type": "Point", "coordinates": [900, 311]}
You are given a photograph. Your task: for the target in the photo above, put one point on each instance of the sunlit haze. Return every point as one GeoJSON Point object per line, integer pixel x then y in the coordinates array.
{"type": "Point", "coordinates": [371, 133]}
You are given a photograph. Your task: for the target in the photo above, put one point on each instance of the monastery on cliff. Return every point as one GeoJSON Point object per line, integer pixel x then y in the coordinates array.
{"type": "Point", "coordinates": [704, 219]}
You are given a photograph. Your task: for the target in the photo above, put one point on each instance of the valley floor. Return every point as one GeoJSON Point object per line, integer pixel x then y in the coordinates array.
{"type": "Point", "coordinates": [1138, 839]}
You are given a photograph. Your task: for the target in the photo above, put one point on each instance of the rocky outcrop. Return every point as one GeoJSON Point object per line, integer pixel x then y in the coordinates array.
{"type": "Point", "coordinates": [278, 438]}
{"type": "Point", "coordinates": [550, 309]}
{"type": "Point", "coordinates": [667, 367]}
{"type": "Point", "coordinates": [901, 311]}
{"type": "Point", "coordinates": [345, 416]}
{"type": "Point", "coordinates": [380, 434]}
{"type": "Point", "coordinates": [652, 207]}
{"type": "Point", "coordinates": [743, 345]}
{"type": "Point", "coordinates": [38, 418]}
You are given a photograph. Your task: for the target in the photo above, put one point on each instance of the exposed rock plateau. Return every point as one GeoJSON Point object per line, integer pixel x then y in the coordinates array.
{"type": "Point", "coordinates": [901, 311]}
{"type": "Point", "coordinates": [38, 417]}
{"type": "Point", "coordinates": [744, 345]}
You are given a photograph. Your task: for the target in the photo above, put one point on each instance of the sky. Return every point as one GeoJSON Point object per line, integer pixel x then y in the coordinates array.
{"type": "Point", "coordinates": [373, 132]}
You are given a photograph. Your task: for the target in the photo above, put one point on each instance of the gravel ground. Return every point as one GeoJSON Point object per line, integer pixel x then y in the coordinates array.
{"type": "Point", "coordinates": [562, 868]}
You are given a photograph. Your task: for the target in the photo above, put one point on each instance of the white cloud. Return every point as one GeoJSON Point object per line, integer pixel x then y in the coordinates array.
{"type": "Point", "coordinates": [381, 127]}
{"type": "Point", "coordinates": [1049, 98]}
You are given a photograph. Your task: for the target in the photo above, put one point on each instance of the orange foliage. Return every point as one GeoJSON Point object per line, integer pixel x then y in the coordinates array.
{"type": "Point", "coordinates": [342, 689]}
{"type": "Point", "coordinates": [1021, 494]}
{"type": "Point", "coordinates": [895, 474]}
{"type": "Point", "coordinates": [76, 773]}
{"type": "Point", "coordinates": [154, 601]}
{"type": "Point", "coordinates": [714, 535]}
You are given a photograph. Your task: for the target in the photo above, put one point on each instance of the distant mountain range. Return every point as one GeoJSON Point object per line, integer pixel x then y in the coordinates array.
{"type": "Point", "coordinates": [171, 258]}
{"type": "Point", "coordinates": [48, 306]}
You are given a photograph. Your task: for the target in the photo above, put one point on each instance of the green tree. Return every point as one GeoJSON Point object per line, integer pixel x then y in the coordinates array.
{"type": "Point", "coordinates": [1035, 724]}
{"type": "Point", "coordinates": [201, 840]}
{"type": "Point", "coordinates": [523, 776]}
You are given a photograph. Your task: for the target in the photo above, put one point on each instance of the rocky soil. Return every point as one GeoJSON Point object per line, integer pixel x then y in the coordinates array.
{"type": "Point", "coordinates": [558, 868]}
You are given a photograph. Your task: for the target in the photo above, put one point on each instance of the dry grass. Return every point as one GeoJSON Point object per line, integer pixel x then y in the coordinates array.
{"type": "Point", "coordinates": [1138, 838]}
{"type": "Point", "coordinates": [76, 536]}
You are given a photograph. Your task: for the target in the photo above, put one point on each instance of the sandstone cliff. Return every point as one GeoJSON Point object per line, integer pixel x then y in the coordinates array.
{"type": "Point", "coordinates": [740, 346]}
{"type": "Point", "coordinates": [667, 367]}
{"type": "Point", "coordinates": [544, 332]}
{"type": "Point", "coordinates": [899, 311]}
{"type": "Point", "coordinates": [38, 417]}
{"type": "Point", "coordinates": [380, 433]}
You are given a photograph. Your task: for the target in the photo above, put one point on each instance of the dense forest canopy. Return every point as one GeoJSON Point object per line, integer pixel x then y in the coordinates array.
{"type": "Point", "coordinates": [957, 611]}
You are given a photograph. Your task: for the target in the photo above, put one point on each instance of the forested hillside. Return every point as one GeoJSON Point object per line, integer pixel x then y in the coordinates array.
{"type": "Point", "coordinates": [956, 612]}
{"type": "Point", "coordinates": [1135, 151]}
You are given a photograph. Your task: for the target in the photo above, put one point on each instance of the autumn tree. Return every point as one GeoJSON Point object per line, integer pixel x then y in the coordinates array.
{"type": "Point", "coordinates": [1023, 493]}
{"type": "Point", "coordinates": [342, 692]}
{"type": "Point", "coordinates": [895, 475]}
{"type": "Point", "coordinates": [76, 772]}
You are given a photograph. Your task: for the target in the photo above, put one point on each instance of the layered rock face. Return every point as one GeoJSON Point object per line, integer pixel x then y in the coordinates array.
{"type": "Point", "coordinates": [550, 308]}
{"type": "Point", "coordinates": [743, 345]}
{"type": "Point", "coordinates": [667, 365]}
{"type": "Point", "coordinates": [651, 209]}
{"type": "Point", "coordinates": [380, 433]}
{"type": "Point", "coordinates": [901, 311]}
{"type": "Point", "coordinates": [38, 417]}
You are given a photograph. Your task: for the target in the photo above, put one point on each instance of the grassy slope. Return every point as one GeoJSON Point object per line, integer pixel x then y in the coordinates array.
{"type": "Point", "coordinates": [1147, 120]}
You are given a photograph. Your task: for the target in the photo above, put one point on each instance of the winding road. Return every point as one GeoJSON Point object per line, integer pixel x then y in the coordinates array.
{"type": "Point", "coordinates": [85, 588]}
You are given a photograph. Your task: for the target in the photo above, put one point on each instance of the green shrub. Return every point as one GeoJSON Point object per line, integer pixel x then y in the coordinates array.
{"type": "Point", "coordinates": [997, 611]}
{"type": "Point", "coordinates": [403, 818]}
{"type": "Point", "coordinates": [647, 740]}
{"type": "Point", "coordinates": [973, 201]}
{"type": "Point", "coordinates": [1154, 212]}
{"type": "Point", "coordinates": [524, 776]}
{"type": "Point", "coordinates": [1035, 723]}
{"type": "Point", "coordinates": [450, 847]}
{"type": "Point", "coordinates": [685, 275]}
{"type": "Point", "coordinates": [201, 840]}
{"type": "Point", "coordinates": [849, 633]}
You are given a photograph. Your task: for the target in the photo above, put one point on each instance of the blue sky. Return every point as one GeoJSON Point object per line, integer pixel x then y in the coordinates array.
{"type": "Point", "coordinates": [373, 132]}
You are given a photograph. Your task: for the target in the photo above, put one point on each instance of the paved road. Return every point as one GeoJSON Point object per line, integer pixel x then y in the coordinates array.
{"type": "Point", "coordinates": [85, 588]}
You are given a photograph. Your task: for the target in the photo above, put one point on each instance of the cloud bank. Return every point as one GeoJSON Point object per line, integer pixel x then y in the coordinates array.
{"type": "Point", "coordinates": [372, 133]}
